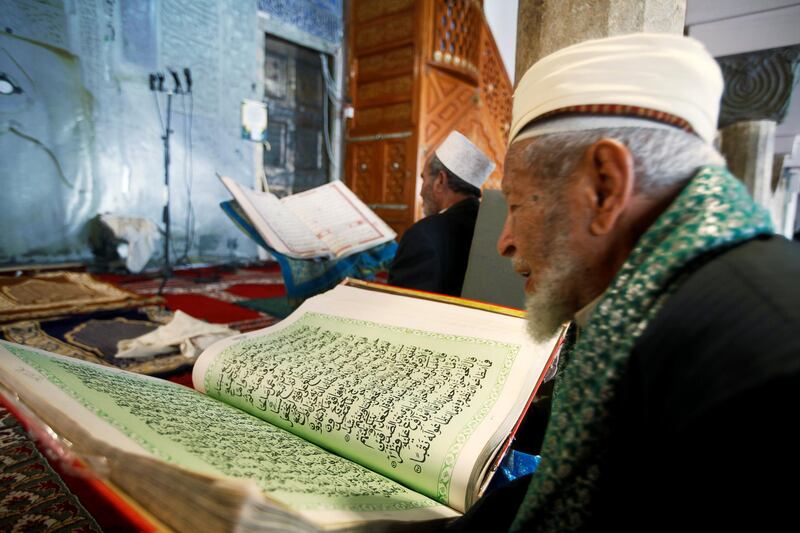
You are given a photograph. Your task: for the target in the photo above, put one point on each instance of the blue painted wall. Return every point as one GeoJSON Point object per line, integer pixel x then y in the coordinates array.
{"type": "Point", "coordinates": [321, 18]}
{"type": "Point", "coordinates": [84, 136]}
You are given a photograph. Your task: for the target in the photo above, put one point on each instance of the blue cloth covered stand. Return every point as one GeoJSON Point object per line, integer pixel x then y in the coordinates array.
{"type": "Point", "coordinates": [514, 465]}
{"type": "Point", "coordinates": [306, 277]}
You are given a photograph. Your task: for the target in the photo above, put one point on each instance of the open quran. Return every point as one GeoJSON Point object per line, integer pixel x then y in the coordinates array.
{"type": "Point", "coordinates": [328, 221]}
{"type": "Point", "coordinates": [363, 409]}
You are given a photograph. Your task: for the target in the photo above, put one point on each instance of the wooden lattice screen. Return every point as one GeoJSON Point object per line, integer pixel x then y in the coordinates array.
{"type": "Point", "coordinates": [495, 85]}
{"type": "Point", "coordinates": [467, 75]}
{"type": "Point", "coordinates": [456, 39]}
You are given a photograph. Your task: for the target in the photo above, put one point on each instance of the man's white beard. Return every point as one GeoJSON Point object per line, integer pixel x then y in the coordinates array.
{"type": "Point", "coordinates": [547, 306]}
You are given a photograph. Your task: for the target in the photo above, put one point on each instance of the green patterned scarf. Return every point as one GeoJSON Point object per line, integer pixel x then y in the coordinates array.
{"type": "Point", "coordinates": [712, 212]}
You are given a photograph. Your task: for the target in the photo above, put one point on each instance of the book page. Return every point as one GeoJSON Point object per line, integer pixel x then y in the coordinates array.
{"type": "Point", "coordinates": [180, 426]}
{"type": "Point", "coordinates": [337, 217]}
{"type": "Point", "coordinates": [419, 391]}
{"type": "Point", "coordinates": [277, 225]}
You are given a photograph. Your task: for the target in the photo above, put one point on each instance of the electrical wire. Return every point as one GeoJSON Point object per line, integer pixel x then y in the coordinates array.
{"type": "Point", "coordinates": [325, 131]}
{"type": "Point", "coordinates": [330, 84]}
{"type": "Point", "coordinates": [332, 94]}
{"type": "Point", "coordinates": [47, 150]}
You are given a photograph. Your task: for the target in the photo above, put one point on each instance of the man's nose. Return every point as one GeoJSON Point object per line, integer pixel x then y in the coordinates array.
{"type": "Point", "coordinates": [505, 245]}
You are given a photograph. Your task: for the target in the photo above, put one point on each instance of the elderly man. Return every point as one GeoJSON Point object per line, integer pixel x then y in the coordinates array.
{"type": "Point", "coordinates": [433, 253]}
{"type": "Point", "coordinates": [674, 408]}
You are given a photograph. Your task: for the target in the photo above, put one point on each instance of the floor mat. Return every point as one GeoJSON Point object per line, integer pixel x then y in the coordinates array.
{"type": "Point", "coordinates": [60, 293]}
{"type": "Point", "coordinates": [33, 497]}
{"type": "Point", "coordinates": [94, 336]}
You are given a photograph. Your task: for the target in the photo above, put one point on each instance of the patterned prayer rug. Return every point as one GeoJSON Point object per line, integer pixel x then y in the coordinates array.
{"type": "Point", "coordinates": [60, 293]}
{"type": "Point", "coordinates": [208, 294]}
{"type": "Point", "coordinates": [33, 496]}
{"type": "Point", "coordinates": [94, 337]}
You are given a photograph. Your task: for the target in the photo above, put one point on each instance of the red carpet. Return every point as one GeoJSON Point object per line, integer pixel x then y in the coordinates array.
{"type": "Point", "coordinates": [252, 291]}
{"type": "Point", "coordinates": [209, 309]}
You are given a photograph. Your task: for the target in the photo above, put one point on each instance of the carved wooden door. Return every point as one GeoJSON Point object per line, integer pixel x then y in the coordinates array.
{"type": "Point", "coordinates": [419, 69]}
{"type": "Point", "coordinates": [382, 137]}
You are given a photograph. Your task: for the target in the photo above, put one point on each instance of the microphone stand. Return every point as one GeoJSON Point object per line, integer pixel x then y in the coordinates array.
{"type": "Point", "coordinates": [166, 270]}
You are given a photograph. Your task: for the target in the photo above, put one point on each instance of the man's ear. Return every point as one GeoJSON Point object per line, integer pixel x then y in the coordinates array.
{"type": "Point", "coordinates": [440, 183]}
{"type": "Point", "coordinates": [610, 166]}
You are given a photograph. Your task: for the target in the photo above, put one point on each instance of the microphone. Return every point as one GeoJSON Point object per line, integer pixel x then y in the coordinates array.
{"type": "Point", "coordinates": [177, 81]}
{"type": "Point", "coordinates": [188, 74]}
{"type": "Point", "coordinates": [152, 82]}
{"type": "Point", "coordinates": [160, 76]}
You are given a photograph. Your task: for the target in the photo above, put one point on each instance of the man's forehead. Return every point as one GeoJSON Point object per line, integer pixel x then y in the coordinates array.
{"type": "Point", "coordinates": [516, 170]}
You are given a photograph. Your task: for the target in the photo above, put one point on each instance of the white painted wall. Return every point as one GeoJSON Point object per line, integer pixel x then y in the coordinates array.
{"type": "Point", "coordinates": [758, 30]}
{"type": "Point", "coordinates": [700, 11]}
{"type": "Point", "coordinates": [730, 27]}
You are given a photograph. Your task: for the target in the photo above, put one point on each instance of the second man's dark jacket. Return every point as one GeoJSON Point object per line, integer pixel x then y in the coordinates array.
{"type": "Point", "coordinates": [433, 253]}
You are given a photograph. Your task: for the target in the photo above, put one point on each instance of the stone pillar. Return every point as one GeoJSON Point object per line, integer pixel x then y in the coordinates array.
{"type": "Point", "coordinates": [758, 90]}
{"type": "Point", "coordinates": [786, 184]}
{"type": "Point", "coordinates": [544, 26]}
{"type": "Point", "coordinates": [749, 148]}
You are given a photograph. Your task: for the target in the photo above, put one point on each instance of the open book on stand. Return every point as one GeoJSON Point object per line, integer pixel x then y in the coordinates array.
{"type": "Point", "coordinates": [328, 221]}
{"type": "Point", "coordinates": [363, 409]}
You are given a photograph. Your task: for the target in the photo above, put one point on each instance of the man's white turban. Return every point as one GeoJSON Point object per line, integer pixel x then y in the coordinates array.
{"type": "Point", "coordinates": [657, 78]}
{"type": "Point", "coordinates": [464, 159]}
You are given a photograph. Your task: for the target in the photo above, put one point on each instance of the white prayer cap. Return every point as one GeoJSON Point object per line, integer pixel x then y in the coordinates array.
{"type": "Point", "coordinates": [464, 159]}
{"type": "Point", "coordinates": [655, 76]}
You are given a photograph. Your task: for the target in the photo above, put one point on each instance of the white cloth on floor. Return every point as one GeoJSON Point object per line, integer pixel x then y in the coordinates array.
{"type": "Point", "coordinates": [190, 334]}
{"type": "Point", "coordinates": [141, 234]}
